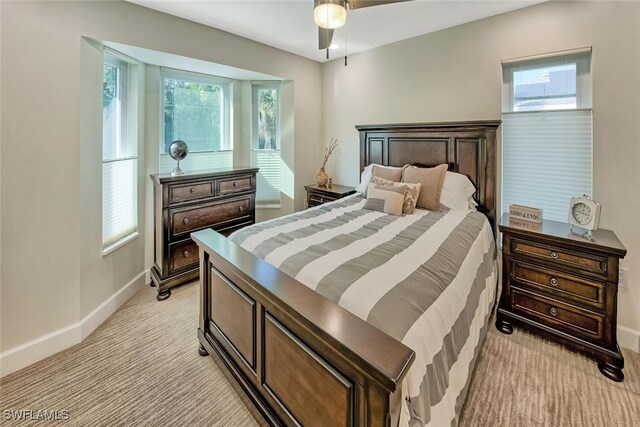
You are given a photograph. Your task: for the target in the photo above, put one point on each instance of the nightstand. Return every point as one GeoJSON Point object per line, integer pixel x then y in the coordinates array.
{"type": "Point", "coordinates": [317, 195]}
{"type": "Point", "coordinates": [564, 286]}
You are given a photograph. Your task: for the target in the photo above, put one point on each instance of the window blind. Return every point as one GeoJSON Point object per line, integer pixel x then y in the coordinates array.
{"type": "Point", "coordinates": [119, 200]}
{"type": "Point", "coordinates": [198, 161]}
{"type": "Point", "coordinates": [268, 185]}
{"type": "Point", "coordinates": [546, 159]}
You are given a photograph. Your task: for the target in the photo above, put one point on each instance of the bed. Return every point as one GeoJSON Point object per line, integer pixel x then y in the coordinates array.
{"type": "Point", "coordinates": [339, 315]}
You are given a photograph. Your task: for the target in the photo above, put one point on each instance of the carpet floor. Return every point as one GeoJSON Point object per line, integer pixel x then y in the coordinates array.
{"type": "Point", "coordinates": [141, 367]}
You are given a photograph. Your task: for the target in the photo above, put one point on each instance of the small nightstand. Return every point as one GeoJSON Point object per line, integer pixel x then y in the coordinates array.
{"type": "Point", "coordinates": [564, 286]}
{"type": "Point", "coordinates": [317, 195]}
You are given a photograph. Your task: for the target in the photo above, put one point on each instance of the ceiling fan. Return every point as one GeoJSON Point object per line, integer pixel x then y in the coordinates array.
{"type": "Point", "coordinates": [332, 14]}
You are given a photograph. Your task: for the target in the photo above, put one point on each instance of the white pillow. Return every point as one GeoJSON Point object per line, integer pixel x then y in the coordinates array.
{"type": "Point", "coordinates": [457, 192]}
{"type": "Point", "coordinates": [365, 177]}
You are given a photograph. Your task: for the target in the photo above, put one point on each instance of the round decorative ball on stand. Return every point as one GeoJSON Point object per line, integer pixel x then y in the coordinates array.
{"type": "Point", "coordinates": [178, 150]}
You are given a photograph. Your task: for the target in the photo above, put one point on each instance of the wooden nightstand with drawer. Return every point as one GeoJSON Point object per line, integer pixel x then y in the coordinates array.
{"type": "Point", "coordinates": [564, 286]}
{"type": "Point", "coordinates": [221, 199]}
{"type": "Point", "coordinates": [319, 195]}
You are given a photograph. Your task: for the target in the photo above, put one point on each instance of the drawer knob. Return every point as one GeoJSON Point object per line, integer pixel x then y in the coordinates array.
{"type": "Point", "coordinates": [554, 281]}
{"type": "Point", "coordinates": [193, 190]}
{"type": "Point", "coordinates": [553, 311]}
{"type": "Point", "coordinates": [234, 183]}
{"type": "Point", "coordinates": [554, 254]}
{"type": "Point", "coordinates": [186, 221]}
{"type": "Point", "coordinates": [240, 208]}
{"type": "Point", "coordinates": [186, 254]}
{"type": "Point", "coordinates": [321, 200]}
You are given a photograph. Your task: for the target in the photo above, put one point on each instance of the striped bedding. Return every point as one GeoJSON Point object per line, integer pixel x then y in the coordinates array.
{"type": "Point", "coordinates": [427, 279]}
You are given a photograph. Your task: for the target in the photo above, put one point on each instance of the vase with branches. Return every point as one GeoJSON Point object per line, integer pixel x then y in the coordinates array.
{"type": "Point", "coordinates": [322, 178]}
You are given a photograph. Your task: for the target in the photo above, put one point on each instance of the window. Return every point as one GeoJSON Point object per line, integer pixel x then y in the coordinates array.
{"type": "Point", "coordinates": [196, 109]}
{"type": "Point", "coordinates": [547, 132]}
{"type": "Point", "coordinates": [119, 158]}
{"type": "Point", "coordinates": [265, 152]}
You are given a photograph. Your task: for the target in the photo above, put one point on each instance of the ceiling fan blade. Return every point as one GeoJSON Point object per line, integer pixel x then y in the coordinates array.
{"type": "Point", "coordinates": [359, 4]}
{"type": "Point", "coordinates": [324, 38]}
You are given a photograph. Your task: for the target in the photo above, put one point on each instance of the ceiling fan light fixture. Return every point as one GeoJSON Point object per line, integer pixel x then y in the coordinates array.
{"type": "Point", "coordinates": [330, 14]}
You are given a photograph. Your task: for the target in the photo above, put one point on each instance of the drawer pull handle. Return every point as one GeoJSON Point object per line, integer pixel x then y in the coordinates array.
{"type": "Point", "coordinates": [554, 281]}
{"type": "Point", "coordinates": [193, 190]}
{"type": "Point", "coordinates": [186, 254]}
{"type": "Point", "coordinates": [554, 255]}
{"type": "Point", "coordinates": [186, 221]}
{"type": "Point", "coordinates": [321, 200]}
{"type": "Point", "coordinates": [240, 208]}
{"type": "Point", "coordinates": [553, 311]}
{"type": "Point", "coordinates": [234, 183]}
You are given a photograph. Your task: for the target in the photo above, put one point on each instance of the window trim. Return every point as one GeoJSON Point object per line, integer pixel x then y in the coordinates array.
{"type": "Point", "coordinates": [225, 83]}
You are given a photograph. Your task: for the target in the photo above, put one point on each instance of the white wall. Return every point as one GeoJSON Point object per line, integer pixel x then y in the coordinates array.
{"type": "Point", "coordinates": [455, 74]}
{"type": "Point", "coordinates": [52, 275]}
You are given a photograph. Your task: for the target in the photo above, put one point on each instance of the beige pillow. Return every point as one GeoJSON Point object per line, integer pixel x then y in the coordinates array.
{"type": "Point", "coordinates": [411, 192]}
{"type": "Point", "coordinates": [431, 180]}
{"type": "Point", "coordinates": [388, 172]}
{"type": "Point", "coordinates": [385, 199]}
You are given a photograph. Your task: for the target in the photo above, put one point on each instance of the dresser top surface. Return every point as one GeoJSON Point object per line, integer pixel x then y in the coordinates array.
{"type": "Point", "coordinates": [601, 239]}
{"type": "Point", "coordinates": [204, 173]}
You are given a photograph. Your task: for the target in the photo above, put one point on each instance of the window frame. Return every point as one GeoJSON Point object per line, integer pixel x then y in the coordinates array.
{"type": "Point", "coordinates": [225, 83]}
{"type": "Point", "coordinates": [127, 148]}
{"type": "Point", "coordinates": [582, 59]}
{"type": "Point", "coordinates": [255, 87]}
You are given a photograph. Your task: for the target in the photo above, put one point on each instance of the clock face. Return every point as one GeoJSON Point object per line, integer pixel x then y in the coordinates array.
{"type": "Point", "coordinates": [581, 213]}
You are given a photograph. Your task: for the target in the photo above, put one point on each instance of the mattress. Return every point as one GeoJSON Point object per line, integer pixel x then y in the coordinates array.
{"type": "Point", "coordinates": [426, 279]}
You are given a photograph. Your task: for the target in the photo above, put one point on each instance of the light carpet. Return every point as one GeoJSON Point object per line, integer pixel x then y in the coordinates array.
{"type": "Point", "coordinates": [141, 367]}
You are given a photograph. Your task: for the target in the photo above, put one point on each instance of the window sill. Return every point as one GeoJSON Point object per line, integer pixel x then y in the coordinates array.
{"type": "Point", "coordinates": [120, 243]}
{"type": "Point", "coordinates": [268, 206]}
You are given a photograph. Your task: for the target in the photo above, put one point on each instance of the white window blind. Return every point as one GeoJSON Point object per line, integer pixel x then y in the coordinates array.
{"type": "Point", "coordinates": [268, 180]}
{"type": "Point", "coordinates": [119, 156]}
{"type": "Point", "coordinates": [547, 133]}
{"type": "Point", "coordinates": [546, 160]}
{"type": "Point", "coordinates": [266, 142]}
{"type": "Point", "coordinates": [119, 200]}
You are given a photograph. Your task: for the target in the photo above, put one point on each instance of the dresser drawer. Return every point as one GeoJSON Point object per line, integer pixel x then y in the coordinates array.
{"type": "Point", "coordinates": [183, 255]}
{"type": "Point", "coordinates": [316, 199]}
{"type": "Point", "coordinates": [560, 256]}
{"type": "Point", "coordinates": [557, 315]}
{"type": "Point", "coordinates": [214, 215]}
{"type": "Point", "coordinates": [558, 284]}
{"type": "Point", "coordinates": [234, 185]}
{"type": "Point", "coordinates": [193, 191]}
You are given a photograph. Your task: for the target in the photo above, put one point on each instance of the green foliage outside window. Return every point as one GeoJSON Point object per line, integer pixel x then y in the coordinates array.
{"type": "Point", "coordinates": [193, 112]}
{"type": "Point", "coordinates": [267, 118]}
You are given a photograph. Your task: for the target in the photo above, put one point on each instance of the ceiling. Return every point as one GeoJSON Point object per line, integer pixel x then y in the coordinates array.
{"type": "Point", "coordinates": [288, 25]}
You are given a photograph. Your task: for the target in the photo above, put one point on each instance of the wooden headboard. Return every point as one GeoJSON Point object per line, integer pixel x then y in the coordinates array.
{"type": "Point", "coordinates": [468, 148]}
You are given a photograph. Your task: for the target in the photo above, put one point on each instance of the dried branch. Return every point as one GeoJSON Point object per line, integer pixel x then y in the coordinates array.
{"type": "Point", "coordinates": [327, 152]}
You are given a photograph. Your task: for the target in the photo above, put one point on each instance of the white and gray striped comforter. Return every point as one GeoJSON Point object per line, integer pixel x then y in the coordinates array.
{"type": "Point", "coordinates": [427, 279]}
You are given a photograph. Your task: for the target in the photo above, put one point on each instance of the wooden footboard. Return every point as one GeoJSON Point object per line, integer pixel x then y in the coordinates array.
{"type": "Point", "coordinates": [299, 358]}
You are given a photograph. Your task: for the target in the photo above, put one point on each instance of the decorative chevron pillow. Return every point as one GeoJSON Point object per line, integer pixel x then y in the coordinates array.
{"type": "Point", "coordinates": [411, 192]}
{"type": "Point", "coordinates": [431, 180]}
{"type": "Point", "coordinates": [384, 198]}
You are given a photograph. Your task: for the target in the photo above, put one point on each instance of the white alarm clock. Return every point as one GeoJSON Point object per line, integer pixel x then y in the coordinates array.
{"type": "Point", "coordinates": [584, 213]}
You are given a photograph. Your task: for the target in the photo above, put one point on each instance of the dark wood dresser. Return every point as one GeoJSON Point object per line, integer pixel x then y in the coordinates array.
{"type": "Point", "coordinates": [221, 199]}
{"type": "Point", "coordinates": [564, 286]}
{"type": "Point", "coordinates": [319, 195]}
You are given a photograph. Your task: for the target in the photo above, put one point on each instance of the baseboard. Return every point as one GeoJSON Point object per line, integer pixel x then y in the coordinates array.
{"type": "Point", "coordinates": [40, 348]}
{"type": "Point", "coordinates": [629, 338]}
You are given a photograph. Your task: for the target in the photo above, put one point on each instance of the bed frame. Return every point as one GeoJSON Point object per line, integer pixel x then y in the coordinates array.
{"type": "Point", "coordinates": [295, 357]}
